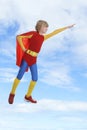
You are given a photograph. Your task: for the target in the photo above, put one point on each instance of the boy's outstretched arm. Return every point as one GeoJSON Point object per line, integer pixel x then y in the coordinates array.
{"type": "Point", "coordinates": [57, 31]}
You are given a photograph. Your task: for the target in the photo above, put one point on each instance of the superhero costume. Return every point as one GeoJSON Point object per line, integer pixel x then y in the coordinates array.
{"type": "Point", "coordinates": [28, 59]}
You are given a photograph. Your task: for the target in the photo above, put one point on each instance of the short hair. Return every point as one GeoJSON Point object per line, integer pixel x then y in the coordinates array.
{"type": "Point", "coordinates": [39, 25]}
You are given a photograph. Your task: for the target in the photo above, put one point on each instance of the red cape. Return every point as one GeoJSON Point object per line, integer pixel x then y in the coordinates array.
{"type": "Point", "coordinates": [19, 51]}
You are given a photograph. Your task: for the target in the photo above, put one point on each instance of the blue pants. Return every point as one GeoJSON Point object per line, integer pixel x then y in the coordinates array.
{"type": "Point", "coordinates": [23, 68]}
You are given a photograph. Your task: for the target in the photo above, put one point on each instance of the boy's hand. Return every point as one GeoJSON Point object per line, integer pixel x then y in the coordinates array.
{"type": "Point", "coordinates": [71, 26]}
{"type": "Point", "coordinates": [24, 49]}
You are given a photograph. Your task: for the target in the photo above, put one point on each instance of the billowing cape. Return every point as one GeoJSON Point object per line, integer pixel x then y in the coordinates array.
{"type": "Point", "coordinates": [19, 51]}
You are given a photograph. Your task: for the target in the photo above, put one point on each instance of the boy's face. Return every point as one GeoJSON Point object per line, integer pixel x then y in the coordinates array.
{"type": "Point", "coordinates": [43, 29]}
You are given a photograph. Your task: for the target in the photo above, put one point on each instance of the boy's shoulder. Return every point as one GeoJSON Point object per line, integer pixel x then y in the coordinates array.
{"type": "Point", "coordinates": [28, 33]}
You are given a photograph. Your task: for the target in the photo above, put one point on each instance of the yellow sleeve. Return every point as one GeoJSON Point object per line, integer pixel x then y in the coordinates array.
{"type": "Point", "coordinates": [54, 33]}
{"type": "Point", "coordinates": [26, 36]}
{"type": "Point", "coordinates": [20, 40]}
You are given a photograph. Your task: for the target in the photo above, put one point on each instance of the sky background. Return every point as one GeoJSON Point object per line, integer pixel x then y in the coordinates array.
{"type": "Point", "coordinates": [61, 90]}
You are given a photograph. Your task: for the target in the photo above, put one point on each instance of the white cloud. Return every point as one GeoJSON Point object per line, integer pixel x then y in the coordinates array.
{"type": "Point", "coordinates": [80, 54]}
{"type": "Point", "coordinates": [51, 105]}
{"type": "Point", "coordinates": [8, 53]}
{"type": "Point", "coordinates": [8, 75]}
{"type": "Point", "coordinates": [56, 73]}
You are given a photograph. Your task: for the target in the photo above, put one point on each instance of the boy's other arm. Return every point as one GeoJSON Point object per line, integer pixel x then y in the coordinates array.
{"type": "Point", "coordinates": [57, 31]}
{"type": "Point", "coordinates": [19, 38]}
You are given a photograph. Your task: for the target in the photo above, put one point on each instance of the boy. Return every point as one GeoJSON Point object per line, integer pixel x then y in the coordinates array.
{"type": "Point", "coordinates": [29, 45]}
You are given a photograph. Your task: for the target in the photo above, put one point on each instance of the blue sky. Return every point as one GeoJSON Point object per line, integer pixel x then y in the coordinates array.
{"type": "Point", "coordinates": [62, 66]}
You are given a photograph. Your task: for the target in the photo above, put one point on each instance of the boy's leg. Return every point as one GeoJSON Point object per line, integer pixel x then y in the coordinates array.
{"type": "Point", "coordinates": [21, 72]}
{"type": "Point", "coordinates": [32, 84]}
{"type": "Point", "coordinates": [15, 84]}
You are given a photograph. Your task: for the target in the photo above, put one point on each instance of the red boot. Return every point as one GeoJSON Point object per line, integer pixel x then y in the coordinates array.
{"type": "Point", "coordinates": [11, 98]}
{"type": "Point", "coordinates": [29, 99]}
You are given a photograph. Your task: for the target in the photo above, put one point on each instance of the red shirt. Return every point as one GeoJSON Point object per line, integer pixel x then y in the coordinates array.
{"type": "Point", "coordinates": [33, 44]}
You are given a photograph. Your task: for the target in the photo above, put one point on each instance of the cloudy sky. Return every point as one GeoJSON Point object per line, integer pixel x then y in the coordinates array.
{"type": "Point", "coordinates": [62, 65]}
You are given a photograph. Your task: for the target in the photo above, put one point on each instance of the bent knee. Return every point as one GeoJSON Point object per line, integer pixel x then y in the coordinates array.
{"type": "Point", "coordinates": [35, 79]}
{"type": "Point", "coordinates": [19, 78]}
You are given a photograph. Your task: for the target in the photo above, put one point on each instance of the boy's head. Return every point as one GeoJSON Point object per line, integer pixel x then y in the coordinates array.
{"type": "Point", "coordinates": [41, 26]}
